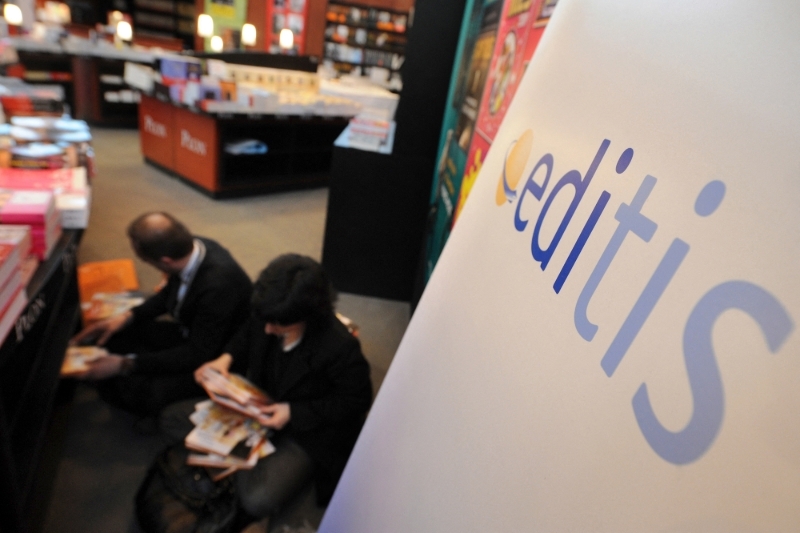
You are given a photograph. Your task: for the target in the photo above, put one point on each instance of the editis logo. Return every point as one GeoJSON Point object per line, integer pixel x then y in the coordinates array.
{"type": "Point", "coordinates": [705, 381]}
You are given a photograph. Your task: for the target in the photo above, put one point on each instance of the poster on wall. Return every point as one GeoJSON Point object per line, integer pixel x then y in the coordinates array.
{"type": "Point", "coordinates": [228, 15]}
{"type": "Point", "coordinates": [467, 83]}
{"type": "Point", "coordinates": [610, 342]}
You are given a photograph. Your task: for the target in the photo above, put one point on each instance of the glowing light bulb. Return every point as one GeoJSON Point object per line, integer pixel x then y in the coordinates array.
{"type": "Point", "coordinates": [286, 39]}
{"type": "Point", "coordinates": [216, 43]}
{"type": "Point", "coordinates": [205, 25]}
{"type": "Point", "coordinates": [124, 30]}
{"type": "Point", "coordinates": [12, 14]}
{"type": "Point", "coordinates": [248, 35]}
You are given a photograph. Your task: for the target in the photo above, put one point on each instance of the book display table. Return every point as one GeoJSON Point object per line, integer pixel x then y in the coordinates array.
{"type": "Point", "coordinates": [192, 145]}
{"type": "Point", "coordinates": [30, 360]}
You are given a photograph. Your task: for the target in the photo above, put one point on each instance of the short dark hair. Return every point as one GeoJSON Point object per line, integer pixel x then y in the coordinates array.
{"type": "Point", "coordinates": [292, 288]}
{"type": "Point", "coordinates": [157, 234]}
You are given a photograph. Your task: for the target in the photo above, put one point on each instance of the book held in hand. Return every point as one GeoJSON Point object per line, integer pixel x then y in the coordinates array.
{"type": "Point", "coordinates": [235, 392]}
{"type": "Point", "coordinates": [77, 359]}
{"type": "Point", "coordinates": [103, 305]}
{"type": "Point", "coordinates": [226, 439]}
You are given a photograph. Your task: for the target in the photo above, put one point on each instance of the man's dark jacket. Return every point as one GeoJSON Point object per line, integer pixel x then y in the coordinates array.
{"type": "Point", "coordinates": [214, 307]}
{"type": "Point", "coordinates": [326, 382]}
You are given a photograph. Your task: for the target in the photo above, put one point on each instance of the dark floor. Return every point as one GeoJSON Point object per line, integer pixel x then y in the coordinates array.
{"type": "Point", "coordinates": [103, 458]}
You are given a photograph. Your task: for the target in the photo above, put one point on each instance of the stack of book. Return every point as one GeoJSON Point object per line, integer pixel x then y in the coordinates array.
{"type": "Point", "coordinates": [227, 430]}
{"type": "Point", "coordinates": [226, 440]}
{"type": "Point", "coordinates": [36, 209]}
{"type": "Point", "coordinates": [20, 236]}
{"type": "Point", "coordinates": [12, 292]}
{"type": "Point", "coordinates": [69, 185]}
{"type": "Point", "coordinates": [47, 143]}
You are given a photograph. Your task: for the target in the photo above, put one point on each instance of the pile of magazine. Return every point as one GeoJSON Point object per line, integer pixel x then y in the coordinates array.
{"type": "Point", "coordinates": [227, 432]}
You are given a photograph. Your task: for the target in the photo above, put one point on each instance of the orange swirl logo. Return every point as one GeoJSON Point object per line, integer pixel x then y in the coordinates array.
{"type": "Point", "coordinates": [516, 158]}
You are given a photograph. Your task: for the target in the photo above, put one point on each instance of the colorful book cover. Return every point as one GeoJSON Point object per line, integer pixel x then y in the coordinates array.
{"type": "Point", "coordinates": [509, 60]}
{"type": "Point", "coordinates": [17, 235]}
{"type": "Point", "coordinates": [478, 33]}
{"type": "Point", "coordinates": [28, 207]}
{"type": "Point", "coordinates": [56, 180]}
{"type": "Point", "coordinates": [77, 359]}
{"type": "Point", "coordinates": [10, 261]}
{"type": "Point", "coordinates": [11, 313]}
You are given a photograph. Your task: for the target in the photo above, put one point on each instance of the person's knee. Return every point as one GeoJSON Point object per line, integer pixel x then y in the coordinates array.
{"type": "Point", "coordinates": [256, 498]}
{"type": "Point", "coordinates": [174, 421]}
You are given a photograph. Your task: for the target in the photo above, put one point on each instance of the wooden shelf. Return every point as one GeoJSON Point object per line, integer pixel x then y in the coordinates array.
{"type": "Point", "coordinates": [336, 10]}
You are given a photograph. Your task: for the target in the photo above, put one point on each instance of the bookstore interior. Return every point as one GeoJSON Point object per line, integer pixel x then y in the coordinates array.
{"type": "Point", "coordinates": [231, 98]}
{"type": "Point", "coordinates": [390, 106]}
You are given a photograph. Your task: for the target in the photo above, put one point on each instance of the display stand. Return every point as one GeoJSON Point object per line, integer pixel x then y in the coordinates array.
{"type": "Point", "coordinates": [371, 239]}
{"type": "Point", "coordinates": [378, 204]}
{"type": "Point", "coordinates": [30, 361]}
{"type": "Point", "coordinates": [191, 145]}
{"type": "Point", "coordinates": [365, 40]}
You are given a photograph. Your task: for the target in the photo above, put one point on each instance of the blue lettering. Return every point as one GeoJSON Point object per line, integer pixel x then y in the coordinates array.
{"type": "Point", "coordinates": [532, 187]}
{"type": "Point", "coordinates": [644, 305]}
{"type": "Point", "coordinates": [573, 177]}
{"type": "Point", "coordinates": [693, 441]}
{"type": "Point", "coordinates": [587, 230]}
{"type": "Point", "coordinates": [622, 165]}
{"type": "Point", "coordinates": [630, 220]}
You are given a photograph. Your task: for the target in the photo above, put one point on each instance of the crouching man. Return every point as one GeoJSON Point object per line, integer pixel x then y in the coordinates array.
{"type": "Point", "coordinates": [155, 347]}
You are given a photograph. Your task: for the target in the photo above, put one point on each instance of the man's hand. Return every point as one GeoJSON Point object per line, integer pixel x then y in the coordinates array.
{"type": "Point", "coordinates": [221, 364]}
{"type": "Point", "coordinates": [105, 328]}
{"type": "Point", "coordinates": [104, 367]}
{"type": "Point", "coordinates": [275, 416]}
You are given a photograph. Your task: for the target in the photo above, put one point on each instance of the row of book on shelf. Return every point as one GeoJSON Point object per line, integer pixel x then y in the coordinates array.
{"type": "Point", "coordinates": [46, 162]}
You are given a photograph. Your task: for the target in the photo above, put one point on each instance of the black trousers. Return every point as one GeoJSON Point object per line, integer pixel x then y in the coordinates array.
{"type": "Point", "coordinates": [147, 394]}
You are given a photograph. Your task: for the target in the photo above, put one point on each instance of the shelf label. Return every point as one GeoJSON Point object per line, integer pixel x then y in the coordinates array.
{"type": "Point", "coordinates": [192, 144]}
{"type": "Point", "coordinates": [154, 128]}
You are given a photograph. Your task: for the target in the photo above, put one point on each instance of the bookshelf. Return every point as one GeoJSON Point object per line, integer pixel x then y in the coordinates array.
{"type": "Point", "coordinates": [165, 18]}
{"type": "Point", "coordinates": [364, 36]}
{"type": "Point", "coordinates": [48, 68]}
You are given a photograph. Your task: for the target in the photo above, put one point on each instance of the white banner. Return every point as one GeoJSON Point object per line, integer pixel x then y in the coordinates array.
{"type": "Point", "coordinates": [609, 341]}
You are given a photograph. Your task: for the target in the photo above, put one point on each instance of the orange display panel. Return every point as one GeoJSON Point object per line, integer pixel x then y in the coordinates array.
{"type": "Point", "coordinates": [157, 130]}
{"type": "Point", "coordinates": [195, 148]}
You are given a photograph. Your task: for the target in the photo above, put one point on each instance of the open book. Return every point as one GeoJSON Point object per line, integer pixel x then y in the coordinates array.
{"type": "Point", "coordinates": [234, 392]}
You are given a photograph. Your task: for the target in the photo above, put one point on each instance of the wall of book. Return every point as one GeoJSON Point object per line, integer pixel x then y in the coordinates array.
{"type": "Point", "coordinates": [166, 18]}
{"type": "Point", "coordinates": [358, 38]}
